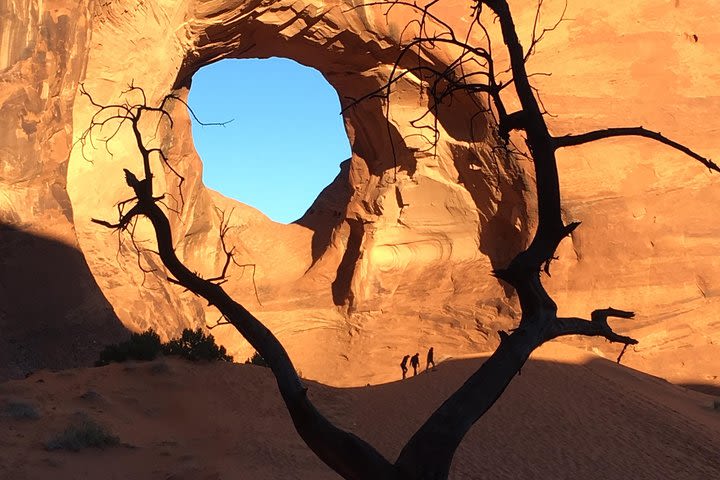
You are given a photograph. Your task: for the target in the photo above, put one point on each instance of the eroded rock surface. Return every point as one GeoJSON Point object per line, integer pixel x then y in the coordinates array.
{"type": "Point", "coordinates": [396, 254]}
{"type": "Point", "coordinates": [52, 312]}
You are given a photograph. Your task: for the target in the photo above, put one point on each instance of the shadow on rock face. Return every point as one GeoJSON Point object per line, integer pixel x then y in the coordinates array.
{"type": "Point", "coordinates": [52, 312]}
{"type": "Point", "coordinates": [328, 211]}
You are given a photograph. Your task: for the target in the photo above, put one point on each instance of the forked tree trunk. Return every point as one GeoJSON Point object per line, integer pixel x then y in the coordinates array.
{"type": "Point", "coordinates": [428, 454]}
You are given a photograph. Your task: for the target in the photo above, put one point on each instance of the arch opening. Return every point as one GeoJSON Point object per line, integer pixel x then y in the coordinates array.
{"type": "Point", "coordinates": [284, 138]}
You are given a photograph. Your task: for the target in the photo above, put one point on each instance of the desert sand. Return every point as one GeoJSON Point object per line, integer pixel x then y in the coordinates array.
{"type": "Point", "coordinates": [569, 415]}
{"type": "Point", "coordinates": [394, 256]}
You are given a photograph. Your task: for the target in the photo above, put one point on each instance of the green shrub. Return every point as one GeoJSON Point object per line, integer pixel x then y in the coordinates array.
{"type": "Point", "coordinates": [19, 410]}
{"type": "Point", "coordinates": [141, 346]}
{"type": "Point", "coordinates": [83, 433]}
{"type": "Point", "coordinates": [195, 345]}
{"type": "Point", "coordinates": [257, 359]}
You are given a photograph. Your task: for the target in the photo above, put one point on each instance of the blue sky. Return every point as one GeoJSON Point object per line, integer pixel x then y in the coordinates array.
{"type": "Point", "coordinates": [286, 139]}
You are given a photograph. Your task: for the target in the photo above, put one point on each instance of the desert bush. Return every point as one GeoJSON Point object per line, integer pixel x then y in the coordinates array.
{"type": "Point", "coordinates": [195, 345]}
{"type": "Point", "coordinates": [19, 410]}
{"type": "Point", "coordinates": [140, 346]}
{"type": "Point", "coordinates": [83, 433]}
{"type": "Point", "coordinates": [256, 359]}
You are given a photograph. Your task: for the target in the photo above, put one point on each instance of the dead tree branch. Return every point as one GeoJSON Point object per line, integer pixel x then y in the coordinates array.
{"type": "Point", "coordinates": [597, 326]}
{"type": "Point", "coordinates": [429, 452]}
{"type": "Point", "coordinates": [345, 453]}
{"type": "Point", "coordinates": [582, 138]}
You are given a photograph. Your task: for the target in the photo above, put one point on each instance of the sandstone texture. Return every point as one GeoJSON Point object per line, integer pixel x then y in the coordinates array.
{"type": "Point", "coordinates": [396, 254]}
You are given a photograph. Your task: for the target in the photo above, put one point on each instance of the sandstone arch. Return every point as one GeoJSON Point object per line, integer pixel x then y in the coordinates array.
{"type": "Point", "coordinates": [419, 211]}
{"type": "Point", "coordinates": [51, 47]}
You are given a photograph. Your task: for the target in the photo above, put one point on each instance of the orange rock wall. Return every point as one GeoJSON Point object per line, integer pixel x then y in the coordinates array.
{"type": "Point", "coordinates": [396, 254]}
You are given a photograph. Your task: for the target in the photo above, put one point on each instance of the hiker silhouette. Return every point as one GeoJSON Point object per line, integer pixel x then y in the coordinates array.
{"type": "Point", "coordinates": [403, 366]}
{"type": "Point", "coordinates": [430, 359]}
{"type": "Point", "coordinates": [415, 363]}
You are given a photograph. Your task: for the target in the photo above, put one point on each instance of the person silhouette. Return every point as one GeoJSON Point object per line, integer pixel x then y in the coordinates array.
{"type": "Point", "coordinates": [403, 366]}
{"type": "Point", "coordinates": [430, 359]}
{"type": "Point", "coordinates": [415, 363]}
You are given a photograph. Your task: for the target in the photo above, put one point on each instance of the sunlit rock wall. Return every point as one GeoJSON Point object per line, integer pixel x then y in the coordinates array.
{"type": "Point", "coordinates": [396, 253]}
{"type": "Point", "coordinates": [394, 243]}
{"type": "Point", "coordinates": [52, 312]}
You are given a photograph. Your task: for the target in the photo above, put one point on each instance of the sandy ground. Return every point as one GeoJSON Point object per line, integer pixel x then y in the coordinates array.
{"type": "Point", "coordinates": [569, 415]}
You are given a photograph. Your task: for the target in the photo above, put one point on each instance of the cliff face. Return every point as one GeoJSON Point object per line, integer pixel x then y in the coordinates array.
{"type": "Point", "coordinates": [52, 311]}
{"type": "Point", "coordinates": [396, 254]}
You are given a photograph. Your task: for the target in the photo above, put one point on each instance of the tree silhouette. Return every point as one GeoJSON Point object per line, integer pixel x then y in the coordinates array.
{"type": "Point", "coordinates": [429, 452]}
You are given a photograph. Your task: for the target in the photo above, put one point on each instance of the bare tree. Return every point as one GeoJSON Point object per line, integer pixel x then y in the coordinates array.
{"type": "Point", "coordinates": [429, 452]}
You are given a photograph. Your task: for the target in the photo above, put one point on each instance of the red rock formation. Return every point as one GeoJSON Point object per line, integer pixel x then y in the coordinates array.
{"type": "Point", "coordinates": [52, 312]}
{"type": "Point", "coordinates": [396, 254]}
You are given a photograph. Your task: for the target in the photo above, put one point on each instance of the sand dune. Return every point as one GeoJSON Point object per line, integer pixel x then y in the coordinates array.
{"type": "Point", "coordinates": [569, 415]}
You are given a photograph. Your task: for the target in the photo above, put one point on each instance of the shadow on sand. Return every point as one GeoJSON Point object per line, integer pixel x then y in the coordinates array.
{"type": "Point", "coordinates": [52, 312]}
{"type": "Point", "coordinates": [593, 420]}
